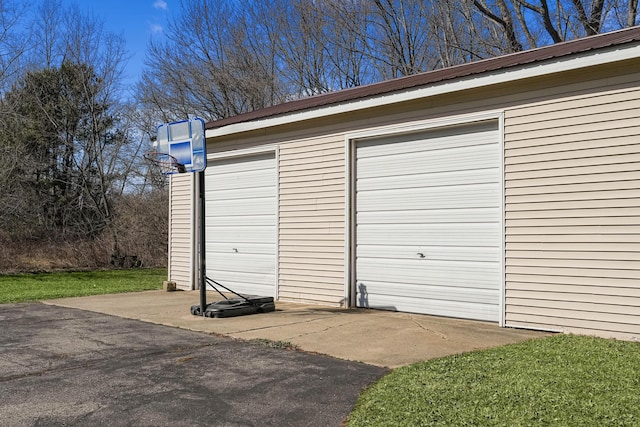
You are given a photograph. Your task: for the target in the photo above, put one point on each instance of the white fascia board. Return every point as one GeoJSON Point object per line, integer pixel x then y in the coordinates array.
{"type": "Point", "coordinates": [538, 69]}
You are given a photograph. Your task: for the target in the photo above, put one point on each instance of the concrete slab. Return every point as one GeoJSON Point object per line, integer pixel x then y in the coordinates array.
{"type": "Point", "coordinates": [380, 338]}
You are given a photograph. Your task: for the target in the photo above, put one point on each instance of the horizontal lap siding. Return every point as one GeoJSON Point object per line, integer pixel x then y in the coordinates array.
{"type": "Point", "coordinates": [311, 220]}
{"type": "Point", "coordinates": [180, 233]}
{"type": "Point", "coordinates": [572, 215]}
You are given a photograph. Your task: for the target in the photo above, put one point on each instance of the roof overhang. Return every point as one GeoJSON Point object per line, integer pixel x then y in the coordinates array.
{"type": "Point", "coordinates": [577, 61]}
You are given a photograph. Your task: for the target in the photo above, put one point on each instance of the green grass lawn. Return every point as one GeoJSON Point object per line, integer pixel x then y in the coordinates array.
{"type": "Point", "coordinates": [34, 287]}
{"type": "Point", "coordinates": [562, 380]}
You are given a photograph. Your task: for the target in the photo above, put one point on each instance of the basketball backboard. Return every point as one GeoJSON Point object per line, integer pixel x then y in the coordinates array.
{"type": "Point", "coordinates": [184, 141]}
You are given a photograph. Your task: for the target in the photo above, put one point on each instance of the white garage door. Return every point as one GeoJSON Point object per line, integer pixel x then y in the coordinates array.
{"type": "Point", "coordinates": [428, 222]}
{"type": "Point", "coordinates": [240, 197]}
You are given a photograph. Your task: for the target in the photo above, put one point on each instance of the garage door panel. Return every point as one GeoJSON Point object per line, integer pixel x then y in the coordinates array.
{"type": "Point", "coordinates": [428, 215]}
{"type": "Point", "coordinates": [238, 235]}
{"type": "Point", "coordinates": [423, 179]}
{"type": "Point", "coordinates": [442, 139]}
{"type": "Point", "coordinates": [439, 253]}
{"type": "Point", "coordinates": [241, 206]}
{"type": "Point", "coordinates": [432, 216]}
{"type": "Point", "coordinates": [432, 292]}
{"type": "Point", "coordinates": [469, 310]}
{"type": "Point", "coordinates": [479, 157]}
{"type": "Point", "coordinates": [217, 247]}
{"type": "Point", "coordinates": [430, 272]}
{"type": "Point", "coordinates": [251, 263]}
{"type": "Point", "coordinates": [239, 281]}
{"type": "Point", "coordinates": [260, 193]}
{"type": "Point", "coordinates": [468, 196]}
{"type": "Point", "coordinates": [234, 165]}
{"type": "Point", "coordinates": [429, 235]}
{"type": "Point", "coordinates": [248, 179]}
{"type": "Point", "coordinates": [249, 220]}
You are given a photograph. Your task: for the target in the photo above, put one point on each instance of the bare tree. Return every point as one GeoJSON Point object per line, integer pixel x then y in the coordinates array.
{"type": "Point", "coordinates": [47, 34]}
{"type": "Point", "coordinates": [210, 68]}
{"type": "Point", "coordinates": [632, 13]}
{"type": "Point", "coordinates": [401, 42]}
{"type": "Point", "coordinates": [503, 18]}
{"type": "Point", "coordinates": [268, 51]}
{"type": "Point", "coordinates": [300, 45]}
{"type": "Point", "coordinates": [347, 44]}
{"type": "Point", "coordinates": [529, 24]}
{"type": "Point", "coordinates": [14, 42]}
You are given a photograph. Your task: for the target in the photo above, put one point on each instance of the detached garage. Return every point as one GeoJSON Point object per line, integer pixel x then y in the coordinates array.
{"type": "Point", "coordinates": [505, 190]}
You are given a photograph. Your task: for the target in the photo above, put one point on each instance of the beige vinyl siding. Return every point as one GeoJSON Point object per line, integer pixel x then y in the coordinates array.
{"type": "Point", "coordinates": [589, 177]}
{"type": "Point", "coordinates": [181, 217]}
{"type": "Point", "coordinates": [572, 214]}
{"type": "Point", "coordinates": [311, 209]}
{"type": "Point", "coordinates": [311, 220]}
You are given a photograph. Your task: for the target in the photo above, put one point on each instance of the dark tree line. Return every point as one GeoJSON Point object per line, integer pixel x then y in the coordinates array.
{"type": "Point", "coordinates": [59, 130]}
{"type": "Point", "coordinates": [70, 169]}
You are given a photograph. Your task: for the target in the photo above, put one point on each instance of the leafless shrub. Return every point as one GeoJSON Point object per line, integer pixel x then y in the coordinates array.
{"type": "Point", "coordinates": [140, 229]}
{"type": "Point", "coordinates": [136, 238]}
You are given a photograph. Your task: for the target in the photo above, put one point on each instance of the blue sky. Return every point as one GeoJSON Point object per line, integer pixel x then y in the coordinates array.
{"type": "Point", "coordinates": [137, 20]}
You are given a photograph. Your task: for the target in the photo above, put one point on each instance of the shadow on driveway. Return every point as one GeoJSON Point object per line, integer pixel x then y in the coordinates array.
{"type": "Point", "coordinates": [61, 366]}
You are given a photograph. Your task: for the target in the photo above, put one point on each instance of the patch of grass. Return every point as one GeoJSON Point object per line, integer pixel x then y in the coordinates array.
{"type": "Point", "coordinates": [563, 380]}
{"type": "Point", "coordinates": [34, 287]}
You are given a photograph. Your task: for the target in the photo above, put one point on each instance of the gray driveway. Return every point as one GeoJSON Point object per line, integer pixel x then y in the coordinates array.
{"type": "Point", "coordinates": [62, 366]}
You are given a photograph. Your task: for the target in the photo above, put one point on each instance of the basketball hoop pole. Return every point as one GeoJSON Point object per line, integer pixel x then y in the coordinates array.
{"type": "Point", "coordinates": [180, 147]}
{"type": "Point", "coordinates": [203, 272]}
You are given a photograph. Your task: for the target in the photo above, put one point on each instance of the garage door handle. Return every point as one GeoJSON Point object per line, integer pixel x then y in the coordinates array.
{"type": "Point", "coordinates": [421, 255]}
{"type": "Point", "coordinates": [235, 250]}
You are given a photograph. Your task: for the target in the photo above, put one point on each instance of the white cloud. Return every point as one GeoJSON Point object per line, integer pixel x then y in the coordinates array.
{"type": "Point", "coordinates": [156, 28]}
{"type": "Point", "coordinates": [160, 4]}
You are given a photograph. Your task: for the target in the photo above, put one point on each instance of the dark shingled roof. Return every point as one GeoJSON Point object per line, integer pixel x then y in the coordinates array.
{"type": "Point", "coordinates": [558, 50]}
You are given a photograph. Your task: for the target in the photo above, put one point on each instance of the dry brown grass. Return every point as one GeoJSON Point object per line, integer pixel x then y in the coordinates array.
{"type": "Point", "coordinates": [49, 255]}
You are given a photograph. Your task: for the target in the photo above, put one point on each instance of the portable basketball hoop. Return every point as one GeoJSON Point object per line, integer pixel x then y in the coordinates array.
{"type": "Point", "coordinates": [167, 163]}
{"type": "Point", "coordinates": [180, 148]}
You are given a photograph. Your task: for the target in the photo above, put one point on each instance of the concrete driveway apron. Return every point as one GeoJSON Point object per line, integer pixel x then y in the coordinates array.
{"type": "Point", "coordinates": [376, 337]}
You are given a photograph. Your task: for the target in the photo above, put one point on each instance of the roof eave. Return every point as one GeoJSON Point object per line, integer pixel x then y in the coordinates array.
{"type": "Point", "coordinates": [538, 68]}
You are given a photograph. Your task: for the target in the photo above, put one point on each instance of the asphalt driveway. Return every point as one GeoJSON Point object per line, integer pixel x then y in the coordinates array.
{"type": "Point", "coordinates": [62, 366]}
